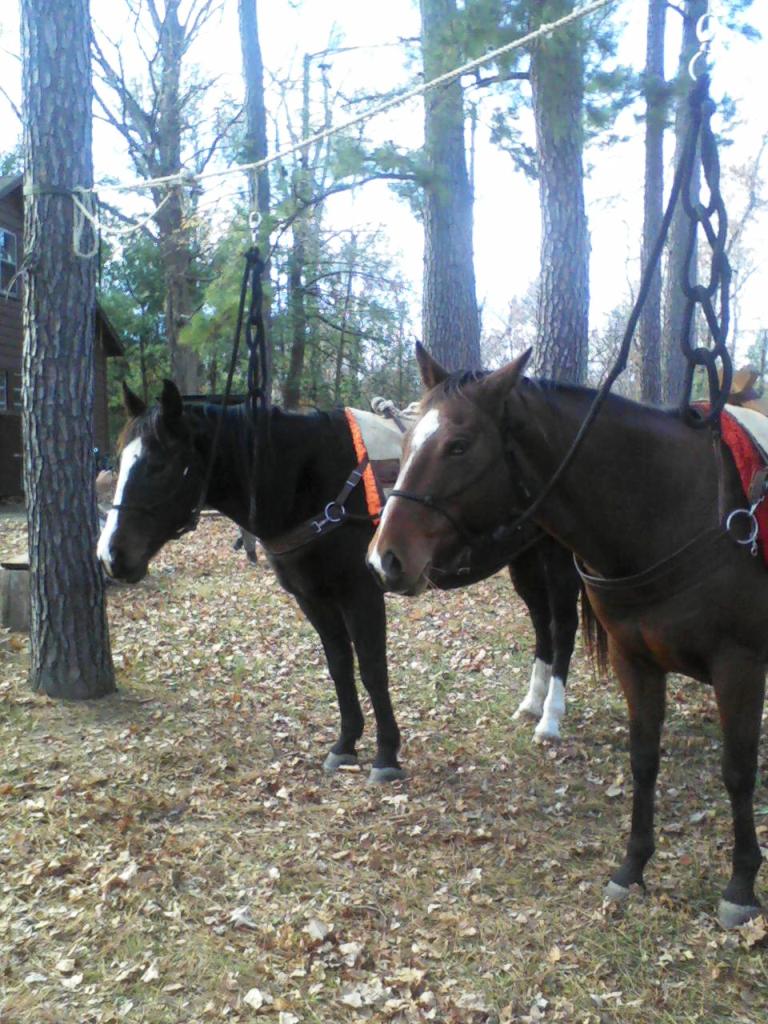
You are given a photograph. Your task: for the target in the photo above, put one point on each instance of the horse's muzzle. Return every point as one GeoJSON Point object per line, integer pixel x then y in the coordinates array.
{"type": "Point", "coordinates": [391, 576]}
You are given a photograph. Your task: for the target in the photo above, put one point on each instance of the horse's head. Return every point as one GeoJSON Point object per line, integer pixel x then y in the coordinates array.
{"type": "Point", "coordinates": [159, 483]}
{"type": "Point", "coordinates": [454, 483]}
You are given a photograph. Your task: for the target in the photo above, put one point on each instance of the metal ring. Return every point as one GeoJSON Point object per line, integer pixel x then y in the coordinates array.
{"type": "Point", "coordinates": [334, 507]}
{"type": "Point", "coordinates": [754, 530]}
{"type": "Point", "coordinates": [692, 64]}
{"type": "Point", "coordinates": [706, 28]}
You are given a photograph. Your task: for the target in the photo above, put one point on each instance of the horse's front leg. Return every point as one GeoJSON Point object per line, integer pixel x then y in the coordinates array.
{"type": "Point", "coordinates": [644, 687]}
{"type": "Point", "coordinates": [366, 620]}
{"type": "Point", "coordinates": [740, 689]}
{"type": "Point", "coordinates": [545, 699]}
{"type": "Point", "coordinates": [329, 623]}
{"type": "Point", "coordinates": [563, 588]}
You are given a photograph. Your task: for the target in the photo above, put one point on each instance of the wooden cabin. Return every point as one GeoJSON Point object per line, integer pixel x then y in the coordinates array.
{"type": "Point", "coordinates": [12, 340]}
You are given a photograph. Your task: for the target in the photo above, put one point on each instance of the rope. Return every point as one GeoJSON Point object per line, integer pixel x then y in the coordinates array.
{"type": "Point", "coordinates": [84, 211]}
{"type": "Point", "coordinates": [86, 208]}
{"type": "Point", "coordinates": [183, 178]}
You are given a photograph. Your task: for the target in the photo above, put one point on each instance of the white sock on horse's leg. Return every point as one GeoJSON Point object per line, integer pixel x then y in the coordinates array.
{"type": "Point", "coordinates": [533, 702]}
{"type": "Point", "coordinates": [554, 709]}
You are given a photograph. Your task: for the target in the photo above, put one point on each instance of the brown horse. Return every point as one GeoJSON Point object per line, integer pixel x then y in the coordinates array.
{"type": "Point", "coordinates": [642, 508]}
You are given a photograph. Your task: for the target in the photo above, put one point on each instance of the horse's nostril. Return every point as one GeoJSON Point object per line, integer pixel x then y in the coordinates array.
{"type": "Point", "coordinates": [392, 566]}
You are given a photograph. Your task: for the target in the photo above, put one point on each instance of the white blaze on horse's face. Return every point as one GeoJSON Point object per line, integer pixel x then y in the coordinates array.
{"type": "Point", "coordinates": [131, 455]}
{"type": "Point", "coordinates": [426, 427]}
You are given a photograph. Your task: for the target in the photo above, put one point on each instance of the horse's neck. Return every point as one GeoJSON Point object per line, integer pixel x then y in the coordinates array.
{"type": "Point", "coordinates": [284, 470]}
{"type": "Point", "coordinates": [641, 485]}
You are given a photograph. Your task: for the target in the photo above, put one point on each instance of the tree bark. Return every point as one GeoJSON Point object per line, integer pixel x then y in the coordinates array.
{"type": "Point", "coordinates": [175, 241]}
{"type": "Point", "coordinates": [297, 317]}
{"type": "Point", "coordinates": [677, 267]}
{"type": "Point", "coordinates": [70, 653]}
{"type": "Point", "coordinates": [154, 119]}
{"type": "Point", "coordinates": [450, 319]}
{"type": "Point", "coordinates": [255, 141]}
{"type": "Point", "coordinates": [653, 208]}
{"type": "Point", "coordinates": [557, 83]}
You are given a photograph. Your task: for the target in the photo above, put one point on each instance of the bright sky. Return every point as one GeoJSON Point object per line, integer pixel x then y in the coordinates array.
{"type": "Point", "coordinates": [506, 211]}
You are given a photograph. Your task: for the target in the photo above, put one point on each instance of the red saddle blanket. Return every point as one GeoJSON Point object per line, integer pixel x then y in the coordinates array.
{"type": "Point", "coordinates": [749, 460]}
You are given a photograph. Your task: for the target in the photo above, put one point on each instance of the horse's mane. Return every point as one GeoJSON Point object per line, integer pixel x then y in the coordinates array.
{"type": "Point", "coordinates": [546, 386]}
{"type": "Point", "coordinates": [149, 425]}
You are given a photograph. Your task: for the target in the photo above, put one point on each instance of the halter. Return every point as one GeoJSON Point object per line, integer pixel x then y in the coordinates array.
{"type": "Point", "coordinates": [475, 541]}
{"type": "Point", "coordinates": [149, 509]}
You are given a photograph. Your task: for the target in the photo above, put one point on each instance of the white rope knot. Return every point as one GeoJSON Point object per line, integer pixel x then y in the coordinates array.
{"type": "Point", "coordinates": [86, 216]}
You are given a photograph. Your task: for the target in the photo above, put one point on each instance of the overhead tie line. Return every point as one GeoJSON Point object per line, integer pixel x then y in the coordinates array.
{"type": "Point", "coordinates": [182, 178]}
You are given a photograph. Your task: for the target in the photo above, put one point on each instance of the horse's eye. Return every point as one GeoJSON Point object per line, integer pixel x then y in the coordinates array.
{"type": "Point", "coordinates": [457, 448]}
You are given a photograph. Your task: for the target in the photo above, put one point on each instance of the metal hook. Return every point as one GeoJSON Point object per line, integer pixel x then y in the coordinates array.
{"type": "Point", "coordinates": [706, 28]}
{"type": "Point", "coordinates": [254, 223]}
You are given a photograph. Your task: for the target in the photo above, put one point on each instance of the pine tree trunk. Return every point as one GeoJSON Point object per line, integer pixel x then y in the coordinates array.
{"type": "Point", "coordinates": [172, 220]}
{"type": "Point", "coordinates": [255, 141]}
{"type": "Point", "coordinates": [653, 210]}
{"type": "Point", "coordinates": [70, 654]}
{"type": "Point", "coordinates": [450, 320]}
{"type": "Point", "coordinates": [557, 83]}
{"type": "Point", "coordinates": [297, 319]}
{"type": "Point", "coordinates": [677, 267]}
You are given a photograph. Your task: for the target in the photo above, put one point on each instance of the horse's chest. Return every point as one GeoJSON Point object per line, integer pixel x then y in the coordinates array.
{"type": "Point", "coordinates": [666, 635]}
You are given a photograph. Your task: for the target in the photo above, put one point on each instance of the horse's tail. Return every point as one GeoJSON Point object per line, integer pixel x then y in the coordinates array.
{"type": "Point", "coordinates": [595, 637]}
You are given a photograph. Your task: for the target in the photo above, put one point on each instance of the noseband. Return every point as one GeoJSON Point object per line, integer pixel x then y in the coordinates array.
{"type": "Point", "coordinates": [429, 502]}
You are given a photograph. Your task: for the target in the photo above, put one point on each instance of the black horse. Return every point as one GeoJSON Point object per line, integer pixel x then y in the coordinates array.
{"type": "Point", "coordinates": [165, 451]}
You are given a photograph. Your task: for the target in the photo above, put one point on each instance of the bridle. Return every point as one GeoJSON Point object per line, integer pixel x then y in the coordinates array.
{"type": "Point", "coordinates": [476, 541]}
{"type": "Point", "coordinates": [149, 509]}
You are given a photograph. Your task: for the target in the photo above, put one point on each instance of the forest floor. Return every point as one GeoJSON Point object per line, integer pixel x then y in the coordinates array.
{"type": "Point", "coordinates": [174, 853]}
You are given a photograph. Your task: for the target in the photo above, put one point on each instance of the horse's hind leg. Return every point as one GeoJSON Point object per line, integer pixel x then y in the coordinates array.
{"type": "Point", "coordinates": [644, 687]}
{"type": "Point", "coordinates": [329, 623]}
{"type": "Point", "coordinates": [366, 621]}
{"type": "Point", "coordinates": [739, 690]}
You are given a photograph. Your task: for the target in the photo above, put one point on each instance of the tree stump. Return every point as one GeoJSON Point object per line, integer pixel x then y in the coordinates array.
{"type": "Point", "coordinates": [14, 594]}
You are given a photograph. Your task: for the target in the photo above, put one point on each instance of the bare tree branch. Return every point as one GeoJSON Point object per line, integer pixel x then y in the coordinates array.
{"type": "Point", "coordinates": [11, 104]}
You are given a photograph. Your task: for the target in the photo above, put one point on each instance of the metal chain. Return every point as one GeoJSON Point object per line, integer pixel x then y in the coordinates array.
{"type": "Point", "coordinates": [712, 220]}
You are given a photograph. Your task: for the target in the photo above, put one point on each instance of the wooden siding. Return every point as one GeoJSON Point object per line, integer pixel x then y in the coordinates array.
{"type": "Point", "coordinates": [11, 219]}
{"type": "Point", "coordinates": [11, 345]}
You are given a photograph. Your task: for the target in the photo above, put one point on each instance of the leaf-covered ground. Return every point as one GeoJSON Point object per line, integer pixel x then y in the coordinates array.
{"type": "Point", "coordinates": [175, 853]}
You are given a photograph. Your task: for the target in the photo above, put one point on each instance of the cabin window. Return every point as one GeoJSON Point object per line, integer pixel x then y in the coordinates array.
{"type": "Point", "coordinates": [9, 282]}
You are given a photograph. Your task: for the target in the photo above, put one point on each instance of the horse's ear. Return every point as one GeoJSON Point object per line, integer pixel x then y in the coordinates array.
{"type": "Point", "coordinates": [170, 401]}
{"type": "Point", "coordinates": [432, 373]}
{"type": "Point", "coordinates": [133, 404]}
{"type": "Point", "coordinates": [499, 383]}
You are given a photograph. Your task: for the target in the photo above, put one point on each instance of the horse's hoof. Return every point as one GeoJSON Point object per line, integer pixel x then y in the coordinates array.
{"type": "Point", "coordinates": [333, 761]}
{"type": "Point", "coordinates": [615, 893]}
{"type": "Point", "coordinates": [731, 915]}
{"type": "Point", "coordinates": [379, 775]}
{"type": "Point", "coordinates": [526, 711]}
{"type": "Point", "coordinates": [545, 736]}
